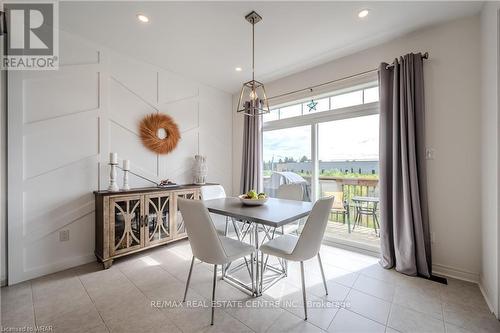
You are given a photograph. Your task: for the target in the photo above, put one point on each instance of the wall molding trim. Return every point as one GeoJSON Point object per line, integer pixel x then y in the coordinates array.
{"type": "Point", "coordinates": [62, 126]}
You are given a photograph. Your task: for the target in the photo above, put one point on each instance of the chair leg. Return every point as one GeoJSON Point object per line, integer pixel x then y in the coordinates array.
{"type": "Point", "coordinates": [322, 273]}
{"type": "Point", "coordinates": [261, 277]}
{"type": "Point", "coordinates": [303, 289]}
{"type": "Point", "coordinates": [188, 280]}
{"type": "Point", "coordinates": [213, 294]}
{"type": "Point", "coordinates": [252, 271]}
{"type": "Point", "coordinates": [348, 215]}
{"type": "Point", "coordinates": [226, 230]}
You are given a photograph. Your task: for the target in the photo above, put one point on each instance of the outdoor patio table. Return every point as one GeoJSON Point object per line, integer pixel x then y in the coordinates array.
{"type": "Point", "coordinates": [366, 206]}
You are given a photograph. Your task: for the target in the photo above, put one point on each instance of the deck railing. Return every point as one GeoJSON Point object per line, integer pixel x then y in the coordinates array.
{"type": "Point", "coordinates": [349, 188]}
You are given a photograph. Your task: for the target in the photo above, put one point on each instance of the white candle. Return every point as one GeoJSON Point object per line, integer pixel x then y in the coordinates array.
{"type": "Point", "coordinates": [126, 165]}
{"type": "Point", "coordinates": [113, 158]}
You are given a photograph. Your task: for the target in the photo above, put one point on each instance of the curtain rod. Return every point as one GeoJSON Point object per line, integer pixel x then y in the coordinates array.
{"type": "Point", "coordinates": [424, 56]}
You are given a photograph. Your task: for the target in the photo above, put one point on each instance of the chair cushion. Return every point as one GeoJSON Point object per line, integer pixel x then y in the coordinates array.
{"type": "Point", "coordinates": [281, 246]}
{"type": "Point", "coordinates": [235, 249]}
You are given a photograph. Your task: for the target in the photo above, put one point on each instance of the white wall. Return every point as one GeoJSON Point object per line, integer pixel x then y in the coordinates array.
{"type": "Point", "coordinates": [452, 78]}
{"type": "Point", "coordinates": [489, 148]}
{"type": "Point", "coordinates": [62, 126]}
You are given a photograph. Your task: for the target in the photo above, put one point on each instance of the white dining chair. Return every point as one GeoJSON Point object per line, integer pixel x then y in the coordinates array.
{"type": "Point", "coordinates": [305, 246]}
{"type": "Point", "coordinates": [221, 223]}
{"type": "Point", "coordinates": [207, 245]}
{"type": "Point", "coordinates": [290, 192]}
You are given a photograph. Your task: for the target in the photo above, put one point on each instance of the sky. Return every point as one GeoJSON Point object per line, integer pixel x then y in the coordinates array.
{"type": "Point", "coordinates": [348, 139]}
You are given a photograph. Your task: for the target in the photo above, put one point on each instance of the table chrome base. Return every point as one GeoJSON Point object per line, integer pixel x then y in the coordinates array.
{"type": "Point", "coordinates": [256, 269]}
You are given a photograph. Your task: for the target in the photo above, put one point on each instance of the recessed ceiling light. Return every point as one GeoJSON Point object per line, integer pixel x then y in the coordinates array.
{"type": "Point", "coordinates": [363, 13]}
{"type": "Point", "coordinates": [143, 18]}
{"type": "Point", "coordinates": [238, 69]}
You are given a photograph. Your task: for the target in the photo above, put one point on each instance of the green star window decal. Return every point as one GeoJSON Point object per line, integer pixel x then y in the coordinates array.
{"type": "Point", "coordinates": [312, 105]}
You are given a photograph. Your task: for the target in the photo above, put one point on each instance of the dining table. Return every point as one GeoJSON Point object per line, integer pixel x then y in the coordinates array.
{"type": "Point", "coordinates": [256, 225]}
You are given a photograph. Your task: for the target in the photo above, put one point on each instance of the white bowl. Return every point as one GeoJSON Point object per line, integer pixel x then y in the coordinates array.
{"type": "Point", "coordinates": [252, 202]}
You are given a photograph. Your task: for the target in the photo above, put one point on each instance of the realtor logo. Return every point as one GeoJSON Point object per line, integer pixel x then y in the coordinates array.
{"type": "Point", "coordinates": [32, 39]}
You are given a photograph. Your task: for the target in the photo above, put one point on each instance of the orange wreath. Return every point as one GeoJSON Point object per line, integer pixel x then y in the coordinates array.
{"type": "Point", "coordinates": [150, 131]}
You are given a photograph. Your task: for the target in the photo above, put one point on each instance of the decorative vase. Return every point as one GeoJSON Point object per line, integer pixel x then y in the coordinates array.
{"type": "Point", "coordinates": [200, 169]}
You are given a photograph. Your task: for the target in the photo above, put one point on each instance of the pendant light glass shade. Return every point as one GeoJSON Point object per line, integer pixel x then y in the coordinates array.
{"type": "Point", "coordinates": [253, 99]}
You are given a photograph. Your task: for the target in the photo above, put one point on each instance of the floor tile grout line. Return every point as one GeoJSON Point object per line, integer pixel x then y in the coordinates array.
{"type": "Point", "coordinates": [147, 298]}
{"type": "Point", "coordinates": [420, 312]}
{"type": "Point", "coordinates": [307, 321]}
{"type": "Point", "coordinates": [344, 300]}
{"type": "Point", "coordinates": [364, 316]}
{"type": "Point", "coordinates": [93, 302]}
{"type": "Point", "coordinates": [33, 304]}
{"type": "Point", "coordinates": [222, 309]}
{"type": "Point", "coordinates": [179, 280]}
{"type": "Point", "coordinates": [404, 306]}
{"type": "Point", "coordinates": [320, 297]}
{"type": "Point", "coordinates": [442, 311]}
{"type": "Point", "coordinates": [365, 293]}
{"type": "Point", "coordinates": [389, 314]}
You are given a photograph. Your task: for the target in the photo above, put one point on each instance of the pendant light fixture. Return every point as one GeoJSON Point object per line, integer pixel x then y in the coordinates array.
{"type": "Point", "coordinates": [253, 99]}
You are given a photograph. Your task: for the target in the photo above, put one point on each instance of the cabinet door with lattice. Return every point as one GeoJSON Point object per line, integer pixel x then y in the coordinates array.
{"type": "Point", "coordinates": [126, 232]}
{"type": "Point", "coordinates": [179, 226]}
{"type": "Point", "coordinates": [157, 218]}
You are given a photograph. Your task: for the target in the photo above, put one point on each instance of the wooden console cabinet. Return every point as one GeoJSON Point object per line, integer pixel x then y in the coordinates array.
{"type": "Point", "coordinates": [130, 221]}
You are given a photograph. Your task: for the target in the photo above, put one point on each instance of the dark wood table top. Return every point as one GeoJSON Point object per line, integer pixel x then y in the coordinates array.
{"type": "Point", "coordinates": [274, 213]}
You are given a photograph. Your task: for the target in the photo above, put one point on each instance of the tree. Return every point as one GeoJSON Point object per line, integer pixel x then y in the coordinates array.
{"type": "Point", "coordinates": [304, 159]}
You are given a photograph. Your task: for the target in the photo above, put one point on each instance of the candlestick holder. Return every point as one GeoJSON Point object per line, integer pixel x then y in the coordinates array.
{"type": "Point", "coordinates": [126, 185]}
{"type": "Point", "coordinates": [113, 186]}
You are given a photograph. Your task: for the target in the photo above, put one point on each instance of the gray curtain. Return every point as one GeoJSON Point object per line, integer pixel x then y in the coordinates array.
{"type": "Point", "coordinates": [251, 168]}
{"type": "Point", "coordinates": [404, 228]}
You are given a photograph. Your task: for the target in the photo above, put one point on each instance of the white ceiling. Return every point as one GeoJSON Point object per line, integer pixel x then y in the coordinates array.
{"type": "Point", "coordinates": [207, 40]}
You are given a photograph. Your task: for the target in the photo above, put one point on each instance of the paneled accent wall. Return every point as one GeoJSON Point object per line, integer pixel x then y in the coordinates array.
{"type": "Point", "coordinates": [63, 124]}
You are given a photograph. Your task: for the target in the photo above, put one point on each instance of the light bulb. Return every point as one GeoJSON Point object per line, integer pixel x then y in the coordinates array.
{"type": "Point", "coordinates": [253, 95]}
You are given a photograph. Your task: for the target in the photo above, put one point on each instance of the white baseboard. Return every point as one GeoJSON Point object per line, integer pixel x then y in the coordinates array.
{"type": "Point", "coordinates": [455, 273]}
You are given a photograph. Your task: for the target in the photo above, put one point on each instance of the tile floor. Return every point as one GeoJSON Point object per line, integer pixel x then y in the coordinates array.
{"type": "Point", "coordinates": [138, 294]}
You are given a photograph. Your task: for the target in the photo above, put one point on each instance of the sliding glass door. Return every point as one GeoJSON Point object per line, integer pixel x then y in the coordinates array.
{"type": "Point", "coordinates": [287, 158]}
{"type": "Point", "coordinates": [331, 146]}
{"type": "Point", "coordinates": [348, 153]}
